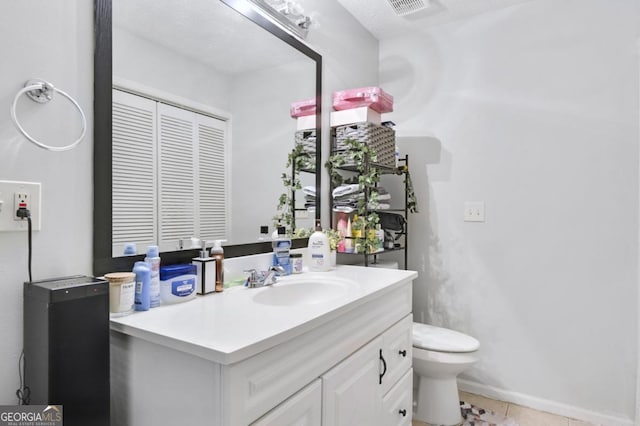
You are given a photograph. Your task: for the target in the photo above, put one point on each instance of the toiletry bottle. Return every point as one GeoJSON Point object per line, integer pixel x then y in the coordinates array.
{"type": "Point", "coordinates": [319, 251]}
{"type": "Point", "coordinates": [281, 251]}
{"type": "Point", "coordinates": [142, 300]}
{"type": "Point", "coordinates": [153, 259]}
{"type": "Point", "coordinates": [348, 242]}
{"type": "Point", "coordinates": [205, 271]}
{"type": "Point", "coordinates": [218, 254]}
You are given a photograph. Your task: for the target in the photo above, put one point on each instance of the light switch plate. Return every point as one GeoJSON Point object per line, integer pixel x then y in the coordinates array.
{"type": "Point", "coordinates": [11, 192]}
{"type": "Point", "coordinates": [474, 211]}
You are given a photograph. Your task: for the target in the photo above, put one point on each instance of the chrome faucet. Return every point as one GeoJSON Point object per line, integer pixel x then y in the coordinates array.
{"type": "Point", "coordinates": [262, 279]}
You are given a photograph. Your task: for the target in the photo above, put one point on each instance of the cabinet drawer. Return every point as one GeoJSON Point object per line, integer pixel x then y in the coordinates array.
{"type": "Point", "coordinates": [397, 404]}
{"type": "Point", "coordinates": [397, 342]}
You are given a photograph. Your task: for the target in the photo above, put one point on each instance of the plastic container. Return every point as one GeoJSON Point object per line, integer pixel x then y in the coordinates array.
{"type": "Point", "coordinates": [319, 251]}
{"type": "Point", "coordinates": [281, 251]}
{"type": "Point", "coordinates": [142, 301]}
{"type": "Point", "coordinates": [303, 108]}
{"type": "Point", "coordinates": [121, 292]}
{"type": "Point", "coordinates": [153, 259]}
{"type": "Point", "coordinates": [372, 97]}
{"type": "Point", "coordinates": [296, 263]}
{"type": "Point", "coordinates": [177, 283]}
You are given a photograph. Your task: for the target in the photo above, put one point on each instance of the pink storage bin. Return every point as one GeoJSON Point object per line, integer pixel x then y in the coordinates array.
{"type": "Point", "coordinates": [372, 97]}
{"type": "Point", "coordinates": [303, 108]}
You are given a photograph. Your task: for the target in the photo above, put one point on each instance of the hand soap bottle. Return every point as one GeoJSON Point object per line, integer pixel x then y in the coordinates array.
{"type": "Point", "coordinates": [319, 250]}
{"type": "Point", "coordinates": [218, 254]}
{"type": "Point", "coordinates": [206, 271]}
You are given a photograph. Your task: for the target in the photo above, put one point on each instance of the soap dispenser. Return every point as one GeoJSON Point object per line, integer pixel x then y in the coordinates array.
{"type": "Point", "coordinates": [205, 270]}
{"type": "Point", "coordinates": [217, 253]}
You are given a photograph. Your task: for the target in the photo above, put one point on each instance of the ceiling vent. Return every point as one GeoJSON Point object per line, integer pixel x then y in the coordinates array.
{"type": "Point", "coordinates": [407, 7]}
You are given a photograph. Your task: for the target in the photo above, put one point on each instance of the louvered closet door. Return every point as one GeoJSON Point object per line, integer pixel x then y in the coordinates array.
{"type": "Point", "coordinates": [176, 175]}
{"type": "Point", "coordinates": [212, 178]}
{"type": "Point", "coordinates": [133, 172]}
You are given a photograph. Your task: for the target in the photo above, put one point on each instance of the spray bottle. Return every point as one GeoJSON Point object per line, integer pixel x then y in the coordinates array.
{"type": "Point", "coordinates": [153, 259]}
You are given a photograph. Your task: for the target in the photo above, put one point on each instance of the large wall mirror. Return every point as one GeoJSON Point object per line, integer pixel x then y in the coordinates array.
{"type": "Point", "coordinates": [192, 127]}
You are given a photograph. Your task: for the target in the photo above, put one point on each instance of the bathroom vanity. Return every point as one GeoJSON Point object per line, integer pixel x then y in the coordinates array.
{"type": "Point", "coordinates": [316, 349]}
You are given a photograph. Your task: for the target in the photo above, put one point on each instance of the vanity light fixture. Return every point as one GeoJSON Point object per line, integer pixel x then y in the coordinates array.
{"type": "Point", "coordinates": [287, 13]}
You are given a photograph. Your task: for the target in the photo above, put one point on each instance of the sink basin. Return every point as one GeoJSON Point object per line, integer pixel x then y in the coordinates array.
{"type": "Point", "coordinates": [302, 291]}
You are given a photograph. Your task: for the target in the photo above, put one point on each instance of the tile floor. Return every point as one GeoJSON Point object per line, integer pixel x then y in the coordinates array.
{"type": "Point", "coordinates": [522, 415]}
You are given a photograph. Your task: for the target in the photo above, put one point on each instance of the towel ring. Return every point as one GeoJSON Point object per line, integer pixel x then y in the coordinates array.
{"type": "Point", "coordinates": [42, 91]}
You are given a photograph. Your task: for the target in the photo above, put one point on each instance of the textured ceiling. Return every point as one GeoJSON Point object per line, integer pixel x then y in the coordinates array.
{"type": "Point", "coordinates": [207, 31]}
{"type": "Point", "coordinates": [380, 19]}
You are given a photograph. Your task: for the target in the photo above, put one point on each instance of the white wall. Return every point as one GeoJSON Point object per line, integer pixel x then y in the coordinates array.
{"type": "Point", "coordinates": [152, 65]}
{"type": "Point", "coordinates": [51, 40]}
{"type": "Point", "coordinates": [263, 136]}
{"type": "Point", "coordinates": [534, 110]}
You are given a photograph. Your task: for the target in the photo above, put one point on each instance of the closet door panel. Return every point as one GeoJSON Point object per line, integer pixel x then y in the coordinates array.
{"type": "Point", "coordinates": [212, 178]}
{"type": "Point", "coordinates": [176, 174]}
{"type": "Point", "coordinates": [134, 196]}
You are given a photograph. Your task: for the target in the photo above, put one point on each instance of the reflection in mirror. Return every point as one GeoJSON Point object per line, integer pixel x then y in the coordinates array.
{"type": "Point", "coordinates": [201, 125]}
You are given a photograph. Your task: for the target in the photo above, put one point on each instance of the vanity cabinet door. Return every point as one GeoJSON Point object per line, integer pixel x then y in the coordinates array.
{"type": "Point", "coordinates": [351, 392]}
{"type": "Point", "coordinates": [304, 408]}
{"type": "Point", "coordinates": [397, 404]}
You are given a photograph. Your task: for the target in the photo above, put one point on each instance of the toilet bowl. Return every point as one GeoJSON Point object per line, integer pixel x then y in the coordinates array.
{"type": "Point", "coordinates": [439, 355]}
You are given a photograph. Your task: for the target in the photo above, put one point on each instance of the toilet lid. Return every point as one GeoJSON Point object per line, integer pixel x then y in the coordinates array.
{"type": "Point", "coordinates": [439, 339]}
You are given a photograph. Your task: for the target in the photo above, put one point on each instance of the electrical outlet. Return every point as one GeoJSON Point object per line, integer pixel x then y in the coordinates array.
{"type": "Point", "coordinates": [21, 200]}
{"type": "Point", "coordinates": [474, 211]}
{"type": "Point", "coordinates": [14, 195]}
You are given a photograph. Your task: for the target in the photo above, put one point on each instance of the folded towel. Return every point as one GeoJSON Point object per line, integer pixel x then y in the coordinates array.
{"type": "Point", "coordinates": [345, 190]}
{"type": "Point", "coordinates": [345, 201]}
{"type": "Point", "coordinates": [309, 190]}
{"type": "Point", "coordinates": [310, 197]}
{"type": "Point", "coordinates": [343, 209]}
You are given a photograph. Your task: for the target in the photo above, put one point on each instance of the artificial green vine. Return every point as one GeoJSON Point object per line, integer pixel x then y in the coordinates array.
{"type": "Point", "coordinates": [300, 160]}
{"type": "Point", "coordinates": [359, 157]}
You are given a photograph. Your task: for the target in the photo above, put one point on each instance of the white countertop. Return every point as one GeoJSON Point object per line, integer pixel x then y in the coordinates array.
{"type": "Point", "coordinates": [229, 327]}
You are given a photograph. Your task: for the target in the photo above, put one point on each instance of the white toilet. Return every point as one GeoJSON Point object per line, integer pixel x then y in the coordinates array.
{"type": "Point", "coordinates": [439, 355]}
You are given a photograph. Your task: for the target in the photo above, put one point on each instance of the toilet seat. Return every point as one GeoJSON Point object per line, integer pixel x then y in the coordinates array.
{"type": "Point", "coordinates": [440, 339]}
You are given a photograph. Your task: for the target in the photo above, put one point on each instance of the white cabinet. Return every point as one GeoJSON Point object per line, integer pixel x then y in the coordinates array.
{"type": "Point", "coordinates": [350, 391]}
{"type": "Point", "coordinates": [354, 368]}
{"type": "Point", "coordinates": [372, 386]}
{"type": "Point", "coordinates": [302, 409]}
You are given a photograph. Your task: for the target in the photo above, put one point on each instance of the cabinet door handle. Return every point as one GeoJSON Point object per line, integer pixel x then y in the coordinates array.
{"type": "Point", "coordinates": [403, 412]}
{"type": "Point", "coordinates": [403, 352]}
{"type": "Point", "coordinates": [384, 364]}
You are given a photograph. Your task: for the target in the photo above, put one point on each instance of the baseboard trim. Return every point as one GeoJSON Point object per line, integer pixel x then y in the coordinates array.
{"type": "Point", "coordinates": [543, 404]}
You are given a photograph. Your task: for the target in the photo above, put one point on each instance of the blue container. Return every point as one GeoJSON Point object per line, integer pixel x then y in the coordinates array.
{"type": "Point", "coordinates": [178, 283]}
{"type": "Point", "coordinates": [142, 299]}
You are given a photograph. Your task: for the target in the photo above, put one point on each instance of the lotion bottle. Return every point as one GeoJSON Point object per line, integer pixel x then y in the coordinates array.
{"type": "Point", "coordinates": [218, 254]}
{"type": "Point", "coordinates": [319, 250]}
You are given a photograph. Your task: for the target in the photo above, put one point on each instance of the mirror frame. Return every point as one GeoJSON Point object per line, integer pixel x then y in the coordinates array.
{"type": "Point", "coordinates": [103, 261]}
